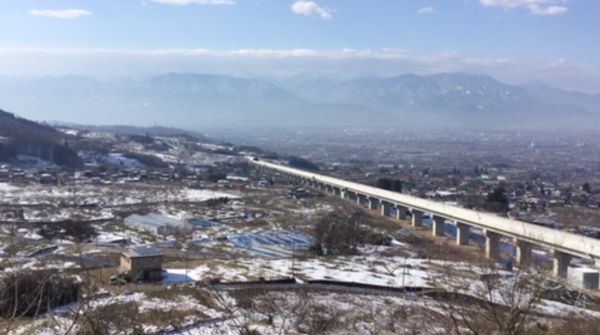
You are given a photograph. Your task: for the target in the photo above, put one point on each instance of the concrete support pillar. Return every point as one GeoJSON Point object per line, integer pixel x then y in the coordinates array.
{"type": "Point", "coordinates": [438, 226]}
{"type": "Point", "coordinates": [417, 218]}
{"type": "Point", "coordinates": [343, 194]}
{"type": "Point", "coordinates": [561, 264]}
{"type": "Point", "coordinates": [492, 244]}
{"type": "Point", "coordinates": [359, 199]}
{"type": "Point", "coordinates": [329, 189]}
{"type": "Point", "coordinates": [401, 212]}
{"type": "Point", "coordinates": [373, 203]}
{"type": "Point", "coordinates": [523, 252]}
{"type": "Point", "coordinates": [462, 233]}
{"type": "Point", "coordinates": [385, 208]}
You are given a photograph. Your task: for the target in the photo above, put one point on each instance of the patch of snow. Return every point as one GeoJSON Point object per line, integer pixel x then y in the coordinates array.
{"type": "Point", "coordinates": [6, 187]}
{"type": "Point", "coordinates": [395, 271]}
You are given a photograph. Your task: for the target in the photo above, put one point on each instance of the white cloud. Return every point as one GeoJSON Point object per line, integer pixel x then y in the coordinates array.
{"type": "Point", "coordinates": [230, 53]}
{"type": "Point", "coordinates": [536, 7]}
{"type": "Point", "coordinates": [559, 62]}
{"type": "Point", "coordinates": [310, 8]}
{"type": "Point", "coordinates": [60, 14]}
{"type": "Point", "coordinates": [195, 2]}
{"type": "Point", "coordinates": [426, 10]}
{"type": "Point", "coordinates": [548, 10]}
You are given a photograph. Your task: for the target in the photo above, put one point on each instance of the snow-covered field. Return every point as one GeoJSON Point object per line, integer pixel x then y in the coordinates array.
{"type": "Point", "coordinates": [222, 313]}
{"type": "Point", "coordinates": [61, 319]}
{"type": "Point", "coordinates": [7, 188]}
{"type": "Point", "coordinates": [311, 211]}
{"type": "Point", "coordinates": [114, 195]}
{"type": "Point", "coordinates": [373, 270]}
{"type": "Point", "coordinates": [360, 269]}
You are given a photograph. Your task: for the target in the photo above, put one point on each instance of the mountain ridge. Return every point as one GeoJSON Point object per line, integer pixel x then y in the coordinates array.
{"type": "Point", "coordinates": [199, 101]}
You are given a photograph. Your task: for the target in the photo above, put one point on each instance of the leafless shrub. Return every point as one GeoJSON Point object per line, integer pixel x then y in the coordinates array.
{"type": "Point", "coordinates": [498, 303]}
{"type": "Point", "coordinates": [79, 231]}
{"type": "Point", "coordinates": [31, 293]}
{"type": "Point", "coordinates": [111, 319]}
{"type": "Point", "coordinates": [337, 234]}
{"type": "Point", "coordinates": [319, 319]}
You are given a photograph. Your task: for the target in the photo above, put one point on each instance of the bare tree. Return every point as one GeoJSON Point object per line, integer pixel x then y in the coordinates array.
{"type": "Point", "coordinates": [495, 303]}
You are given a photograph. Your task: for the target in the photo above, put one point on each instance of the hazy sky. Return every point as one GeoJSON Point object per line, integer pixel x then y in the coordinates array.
{"type": "Point", "coordinates": [557, 41]}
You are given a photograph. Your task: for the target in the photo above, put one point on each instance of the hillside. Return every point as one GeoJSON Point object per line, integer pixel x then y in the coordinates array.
{"type": "Point", "coordinates": [23, 137]}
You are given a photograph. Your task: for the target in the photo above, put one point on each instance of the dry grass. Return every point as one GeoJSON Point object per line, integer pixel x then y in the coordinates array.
{"type": "Point", "coordinates": [201, 295]}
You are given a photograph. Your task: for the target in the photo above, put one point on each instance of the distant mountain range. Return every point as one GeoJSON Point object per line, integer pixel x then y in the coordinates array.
{"type": "Point", "coordinates": [197, 101]}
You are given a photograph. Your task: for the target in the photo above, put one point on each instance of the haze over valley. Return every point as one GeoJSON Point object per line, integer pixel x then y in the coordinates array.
{"type": "Point", "coordinates": [198, 101]}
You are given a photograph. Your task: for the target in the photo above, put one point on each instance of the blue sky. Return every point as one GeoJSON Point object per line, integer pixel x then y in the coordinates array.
{"type": "Point", "coordinates": [557, 41]}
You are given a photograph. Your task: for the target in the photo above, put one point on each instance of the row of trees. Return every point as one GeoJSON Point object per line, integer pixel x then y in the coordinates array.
{"type": "Point", "coordinates": [304, 164]}
{"type": "Point", "coordinates": [497, 201]}
{"type": "Point", "coordinates": [390, 184]}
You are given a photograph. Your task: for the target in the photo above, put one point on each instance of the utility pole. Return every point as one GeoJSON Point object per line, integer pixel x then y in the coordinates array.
{"type": "Point", "coordinates": [187, 278]}
{"type": "Point", "coordinates": [293, 255]}
{"type": "Point", "coordinates": [185, 250]}
{"type": "Point", "coordinates": [404, 273]}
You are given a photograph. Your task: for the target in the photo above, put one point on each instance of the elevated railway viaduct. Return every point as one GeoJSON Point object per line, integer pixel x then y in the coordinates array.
{"type": "Point", "coordinates": [562, 245]}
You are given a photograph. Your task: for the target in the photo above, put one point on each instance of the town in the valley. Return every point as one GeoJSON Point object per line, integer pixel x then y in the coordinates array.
{"type": "Point", "coordinates": [176, 232]}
